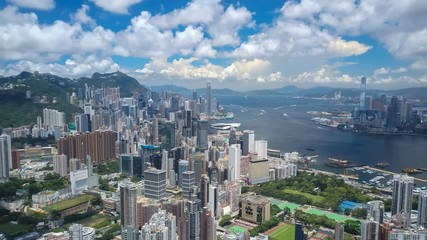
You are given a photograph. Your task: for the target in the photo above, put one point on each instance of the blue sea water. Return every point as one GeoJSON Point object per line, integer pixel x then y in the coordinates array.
{"type": "Point", "coordinates": [287, 126]}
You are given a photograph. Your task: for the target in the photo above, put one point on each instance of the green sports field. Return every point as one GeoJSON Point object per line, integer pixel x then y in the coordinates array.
{"type": "Point", "coordinates": [283, 204]}
{"type": "Point", "coordinates": [287, 232]}
{"type": "Point", "coordinates": [334, 216]}
{"type": "Point", "coordinates": [69, 203]}
{"type": "Point", "coordinates": [237, 229]}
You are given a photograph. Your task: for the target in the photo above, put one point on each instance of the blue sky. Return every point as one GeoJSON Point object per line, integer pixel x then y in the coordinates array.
{"type": "Point", "coordinates": [242, 44]}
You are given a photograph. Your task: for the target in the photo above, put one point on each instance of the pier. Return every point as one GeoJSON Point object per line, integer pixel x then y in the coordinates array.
{"type": "Point", "coordinates": [389, 172]}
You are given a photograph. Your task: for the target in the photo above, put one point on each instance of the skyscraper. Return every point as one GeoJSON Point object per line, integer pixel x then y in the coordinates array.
{"type": "Point", "coordinates": [194, 213]}
{"type": "Point", "coordinates": [155, 183]}
{"type": "Point", "coordinates": [183, 166]}
{"type": "Point", "coordinates": [129, 230]}
{"type": "Point", "coordinates": [213, 198]}
{"type": "Point", "coordinates": [209, 96]}
{"type": "Point", "coordinates": [5, 157]}
{"type": "Point", "coordinates": [402, 196]}
{"type": "Point", "coordinates": [375, 211]}
{"type": "Point", "coordinates": [204, 190]}
{"type": "Point", "coordinates": [422, 209]}
{"type": "Point", "coordinates": [248, 144]}
{"type": "Point", "coordinates": [187, 184]}
{"type": "Point", "coordinates": [234, 162]}
{"type": "Point", "coordinates": [393, 114]}
{"type": "Point", "coordinates": [202, 133]}
{"type": "Point", "coordinates": [261, 148]}
{"type": "Point", "coordinates": [362, 93]}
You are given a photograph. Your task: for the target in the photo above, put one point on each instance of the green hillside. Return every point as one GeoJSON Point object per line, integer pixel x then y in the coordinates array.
{"type": "Point", "coordinates": [16, 110]}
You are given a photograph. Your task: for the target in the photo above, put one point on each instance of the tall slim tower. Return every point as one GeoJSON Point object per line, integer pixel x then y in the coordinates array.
{"type": "Point", "coordinates": [402, 196]}
{"type": "Point", "coordinates": [209, 95]}
{"type": "Point", "coordinates": [422, 209]}
{"type": "Point", "coordinates": [234, 162]}
{"type": "Point", "coordinates": [5, 157]}
{"type": "Point", "coordinates": [129, 230]}
{"type": "Point", "coordinates": [362, 93]}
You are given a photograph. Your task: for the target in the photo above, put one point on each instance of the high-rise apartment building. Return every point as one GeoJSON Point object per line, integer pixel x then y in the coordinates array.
{"type": "Point", "coordinates": [53, 118]}
{"type": "Point", "coordinates": [375, 211]}
{"type": "Point", "coordinates": [128, 222]}
{"type": "Point", "coordinates": [370, 230]}
{"type": "Point", "coordinates": [162, 226]}
{"type": "Point", "coordinates": [100, 145]}
{"type": "Point", "coordinates": [403, 186]}
{"type": "Point", "coordinates": [60, 164]}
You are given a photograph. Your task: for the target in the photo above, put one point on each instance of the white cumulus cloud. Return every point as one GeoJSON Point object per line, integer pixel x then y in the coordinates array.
{"type": "Point", "coordinates": [116, 6]}
{"type": "Point", "coordinates": [36, 4]}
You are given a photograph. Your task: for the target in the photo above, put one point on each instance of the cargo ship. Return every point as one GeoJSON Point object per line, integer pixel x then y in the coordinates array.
{"type": "Point", "coordinates": [338, 163]}
{"type": "Point", "coordinates": [410, 170]}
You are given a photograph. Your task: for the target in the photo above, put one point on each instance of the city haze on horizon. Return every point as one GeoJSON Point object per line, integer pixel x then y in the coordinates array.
{"type": "Point", "coordinates": [239, 45]}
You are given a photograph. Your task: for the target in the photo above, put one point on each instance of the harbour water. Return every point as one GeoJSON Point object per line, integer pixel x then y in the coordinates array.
{"type": "Point", "coordinates": [287, 126]}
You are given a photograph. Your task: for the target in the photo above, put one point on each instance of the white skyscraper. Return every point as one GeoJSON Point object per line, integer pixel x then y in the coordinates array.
{"type": "Point", "coordinates": [5, 157]}
{"type": "Point", "coordinates": [403, 186]}
{"type": "Point", "coordinates": [234, 162]}
{"type": "Point", "coordinates": [261, 148]}
{"type": "Point", "coordinates": [60, 164]}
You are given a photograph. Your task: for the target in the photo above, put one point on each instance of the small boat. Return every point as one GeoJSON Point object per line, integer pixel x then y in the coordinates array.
{"type": "Point", "coordinates": [410, 170]}
{"type": "Point", "coordinates": [338, 163]}
{"type": "Point", "coordinates": [310, 149]}
{"type": "Point", "coordinates": [382, 164]}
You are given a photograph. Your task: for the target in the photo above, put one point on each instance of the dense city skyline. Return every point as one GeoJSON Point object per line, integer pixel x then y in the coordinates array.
{"type": "Point", "coordinates": [234, 44]}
